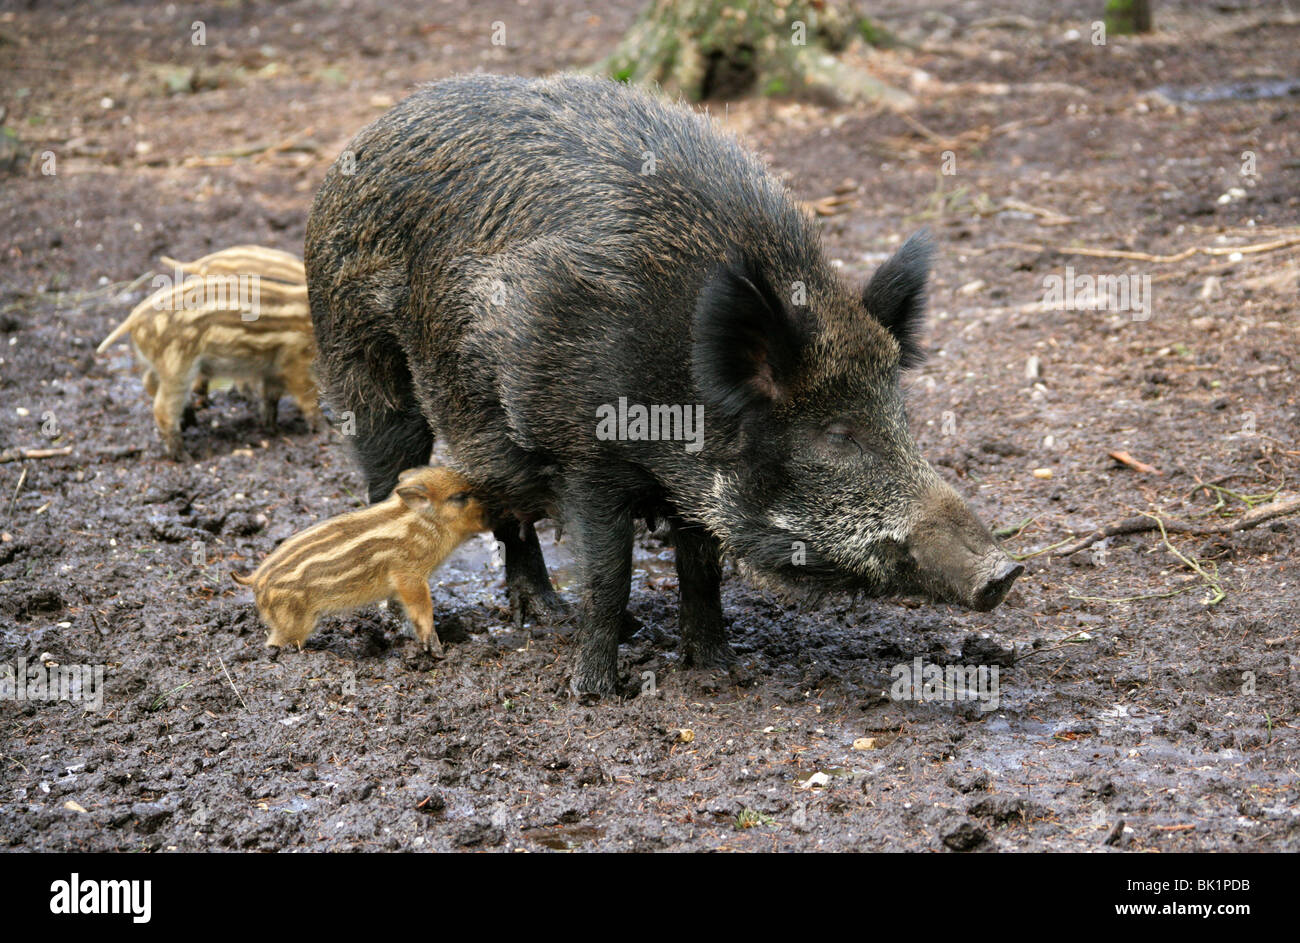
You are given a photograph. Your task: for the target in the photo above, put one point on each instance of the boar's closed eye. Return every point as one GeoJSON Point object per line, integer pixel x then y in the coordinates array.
{"type": "Point", "coordinates": [460, 499]}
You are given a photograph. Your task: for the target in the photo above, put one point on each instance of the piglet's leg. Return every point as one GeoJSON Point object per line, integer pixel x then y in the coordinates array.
{"type": "Point", "coordinates": [414, 594]}
{"type": "Point", "coordinates": [302, 387]}
{"type": "Point", "coordinates": [168, 406]}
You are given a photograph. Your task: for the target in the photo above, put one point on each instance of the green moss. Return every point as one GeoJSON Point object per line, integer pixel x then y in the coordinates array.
{"type": "Point", "coordinates": [874, 35]}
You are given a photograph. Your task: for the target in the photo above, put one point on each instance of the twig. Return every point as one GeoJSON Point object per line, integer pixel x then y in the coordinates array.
{"type": "Point", "coordinates": [80, 296]}
{"type": "Point", "coordinates": [1118, 599]}
{"type": "Point", "coordinates": [18, 487]}
{"type": "Point", "coordinates": [1146, 256]}
{"type": "Point", "coordinates": [1036, 553]}
{"type": "Point", "coordinates": [1125, 459]}
{"type": "Point", "coordinates": [232, 682]}
{"type": "Point", "coordinates": [1073, 639]}
{"type": "Point", "coordinates": [1148, 522]}
{"type": "Point", "coordinates": [1013, 530]}
{"type": "Point", "coordinates": [294, 143]}
{"type": "Point", "coordinates": [1217, 596]}
{"type": "Point", "coordinates": [16, 455]}
{"type": "Point", "coordinates": [923, 130]}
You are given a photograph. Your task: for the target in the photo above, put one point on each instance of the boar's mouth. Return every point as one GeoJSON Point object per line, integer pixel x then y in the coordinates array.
{"type": "Point", "coordinates": [983, 590]}
{"type": "Point", "coordinates": [952, 556]}
{"type": "Point", "coordinates": [981, 584]}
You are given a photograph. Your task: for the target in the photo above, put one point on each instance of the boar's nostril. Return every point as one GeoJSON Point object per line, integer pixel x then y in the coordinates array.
{"type": "Point", "coordinates": [999, 582]}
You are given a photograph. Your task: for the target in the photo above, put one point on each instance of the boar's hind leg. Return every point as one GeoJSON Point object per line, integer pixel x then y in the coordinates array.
{"type": "Point", "coordinates": [699, 576]}
{"type": "Point", "coordinates": [528, 585]}
{"type": "Point", "coordinates": [604, 549]}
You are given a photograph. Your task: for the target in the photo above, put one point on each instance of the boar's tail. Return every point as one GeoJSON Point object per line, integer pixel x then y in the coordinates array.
{"type": "Point", "coordinates": [242, 580]}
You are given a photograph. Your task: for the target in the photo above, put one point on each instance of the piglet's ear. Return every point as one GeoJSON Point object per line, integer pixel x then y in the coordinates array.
{"type": "Point", "coordinates": [747, 341]}
{"type": "Point", "coordinates": [415, 498]}
{"type": "Point", "coordinates": [895, 296]}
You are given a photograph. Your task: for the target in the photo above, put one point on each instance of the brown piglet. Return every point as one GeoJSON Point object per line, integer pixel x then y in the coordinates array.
{"type": "Point", "coordinates": [385, 551]}
{"type": "Point", "coordinates": [254, 331]}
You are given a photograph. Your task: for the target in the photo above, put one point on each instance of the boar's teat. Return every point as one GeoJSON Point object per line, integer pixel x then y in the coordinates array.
{"type": "Point", "coordinates": [956, 558]}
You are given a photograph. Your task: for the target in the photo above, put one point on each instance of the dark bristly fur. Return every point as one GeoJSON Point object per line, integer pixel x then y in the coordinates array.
{"type": "Point", "coordinates": [496, 258]}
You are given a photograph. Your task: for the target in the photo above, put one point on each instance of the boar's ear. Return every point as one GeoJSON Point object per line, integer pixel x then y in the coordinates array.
{"type": "Point", "coordinates": [895, 296]}
{"type": "Point", "coordinates": [747, 341]}
{"type": "Point", "coordinates": [415, 497]}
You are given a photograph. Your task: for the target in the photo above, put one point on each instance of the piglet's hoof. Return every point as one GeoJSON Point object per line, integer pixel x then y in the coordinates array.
{"type": "Point", "coordinates": [417, 658]}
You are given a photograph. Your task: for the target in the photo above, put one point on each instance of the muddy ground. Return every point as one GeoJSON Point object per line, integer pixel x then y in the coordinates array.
{"type": "Point", "coordinates": [1145, 724]}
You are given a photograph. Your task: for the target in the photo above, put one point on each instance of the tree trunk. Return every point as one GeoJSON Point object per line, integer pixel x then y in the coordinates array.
{"type": "Point", "coordinates": [718, 49]}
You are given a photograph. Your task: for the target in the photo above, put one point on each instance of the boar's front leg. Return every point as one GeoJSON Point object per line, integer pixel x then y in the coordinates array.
{"type": "Point", "coordinates": [528, 585]}
{"type": "Point", "coordinates": [603, 531]}
{"type": "Point", "coordinates": [699, 578]}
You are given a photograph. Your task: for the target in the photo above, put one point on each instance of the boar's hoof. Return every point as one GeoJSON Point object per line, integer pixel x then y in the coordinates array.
{"type": "Point", "coordinates": [590, 686]}
{"type": "Point", "coordinates": [545, 606]}
{"type": "Point", "coordinates": [630, 626]}
{"type": "Point", "coordinates": [710, 658]}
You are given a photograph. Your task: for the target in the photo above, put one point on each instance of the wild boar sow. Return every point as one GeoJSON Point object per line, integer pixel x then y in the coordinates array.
{"type": "Point", "coordinates": [610, 310]}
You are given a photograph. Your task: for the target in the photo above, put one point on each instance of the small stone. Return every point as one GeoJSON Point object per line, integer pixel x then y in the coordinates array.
{"type": "Point", "coordinates": [1043, 473]}
{"type": "Point", "coordinates": [867, 743]}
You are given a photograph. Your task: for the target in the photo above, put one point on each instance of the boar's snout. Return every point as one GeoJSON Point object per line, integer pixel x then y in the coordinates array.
{"type": "Point", "coordinates": [956, 558]}
{"type": "Point", "coordinates": [998, 583]}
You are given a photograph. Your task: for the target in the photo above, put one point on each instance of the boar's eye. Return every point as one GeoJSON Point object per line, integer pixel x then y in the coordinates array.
{"type": "Point", "coordinates": [460, 499]}
{"type": "Point", "coordinates": [839, 434]}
